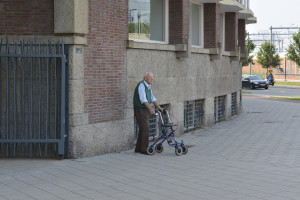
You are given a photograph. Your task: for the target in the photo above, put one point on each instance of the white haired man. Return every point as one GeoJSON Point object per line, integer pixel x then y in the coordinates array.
{"type": "Point", "coordinates": [142, 99]}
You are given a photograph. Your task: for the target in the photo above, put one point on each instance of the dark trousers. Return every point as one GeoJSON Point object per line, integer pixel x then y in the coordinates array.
{"type": "Point", "coordinates": [142, 119]}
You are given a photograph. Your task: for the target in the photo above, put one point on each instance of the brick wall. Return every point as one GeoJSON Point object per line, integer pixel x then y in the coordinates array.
{"type": "Point", "coordinates": [289, 66]}
{"type": "Point", "coordinates": [211, 25]}
{"type": "Point", "coordinates": [242, 35]}
{"type": "Point", "coordinates": [178, 21]}
{"type": "Point", "coordinates": [231, 31]}
{"type": "Point", "coordinates": [26, 17]}
{"type": "Point", "coordinates": [105, 61]}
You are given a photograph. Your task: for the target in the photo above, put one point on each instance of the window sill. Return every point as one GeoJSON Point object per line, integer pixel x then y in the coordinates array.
{"type": "Point", "coordinates": [131, 44]}
{"type": "Point", "coordinates": [215, 53]}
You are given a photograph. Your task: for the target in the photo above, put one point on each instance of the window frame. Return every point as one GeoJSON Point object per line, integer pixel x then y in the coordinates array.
{"type": "Point", "coordinates": [166, 28]}
{"type": "Point", "coordinates": [201, 24]}
{"type": "Point", "coordinates": [222, 30]}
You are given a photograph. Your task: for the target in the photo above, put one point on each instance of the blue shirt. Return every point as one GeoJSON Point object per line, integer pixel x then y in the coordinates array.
{"type": "Point", "coordinates": [142, 93]}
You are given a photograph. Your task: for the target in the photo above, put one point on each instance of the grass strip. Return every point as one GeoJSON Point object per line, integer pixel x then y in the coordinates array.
{"type": "Point", "coordinates": [287, 83]}
{"type": "Point", "coordinates": [289, 98]}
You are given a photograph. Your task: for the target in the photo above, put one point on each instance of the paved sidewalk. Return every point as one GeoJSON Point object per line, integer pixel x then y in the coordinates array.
{"type": "Point", "coordinates": [255, 156]}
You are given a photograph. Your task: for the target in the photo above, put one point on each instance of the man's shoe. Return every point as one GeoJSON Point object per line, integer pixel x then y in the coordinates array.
{"type": "Point", "coordinates": [137, 151]}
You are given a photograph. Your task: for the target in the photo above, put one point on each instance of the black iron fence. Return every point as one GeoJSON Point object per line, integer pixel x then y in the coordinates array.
{"type": "Point", "coordinates": [34, 98]}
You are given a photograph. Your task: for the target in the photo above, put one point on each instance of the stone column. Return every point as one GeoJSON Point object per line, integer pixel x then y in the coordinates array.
{"type": "Point", "coordinates": [209, 110]}
{"type": "Point", "coordinates": [228, 107]}
{"type": "Point", "coordinates": [71, 23]}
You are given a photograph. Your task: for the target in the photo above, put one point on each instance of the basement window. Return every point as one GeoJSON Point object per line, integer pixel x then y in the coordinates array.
{"type": "Point", "coordinates": [193, 115]}
{"type": "Point", "coordinates": [219, 108]}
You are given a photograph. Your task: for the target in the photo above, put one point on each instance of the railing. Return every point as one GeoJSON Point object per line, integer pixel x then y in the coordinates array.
{"type": "Point", "coordinates": [245, 3]}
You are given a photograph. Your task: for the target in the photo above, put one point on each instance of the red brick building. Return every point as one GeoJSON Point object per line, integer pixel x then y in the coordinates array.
{"type": "Point", "coordinates": [193, 47]}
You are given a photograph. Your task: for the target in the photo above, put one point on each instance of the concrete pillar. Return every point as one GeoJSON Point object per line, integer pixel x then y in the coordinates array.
{"type": "Point", "coordinates": [209, 119]}
{"type": "Point", "coordinates": [71, 22]}
{"type": "Point", "coordinates": [71, 17]}
{"type": "Point", "coordinates": [228, 98]}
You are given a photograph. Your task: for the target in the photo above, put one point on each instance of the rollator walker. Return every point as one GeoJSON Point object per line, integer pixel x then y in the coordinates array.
{"type": "Point", "coordinates": [168, 133]}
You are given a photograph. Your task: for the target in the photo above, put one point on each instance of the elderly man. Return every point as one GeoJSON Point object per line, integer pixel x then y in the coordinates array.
{"type": "Point", "coordinates": [142, 99]}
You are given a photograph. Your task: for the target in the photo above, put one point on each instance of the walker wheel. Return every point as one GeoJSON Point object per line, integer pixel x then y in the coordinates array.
{"type": "Point", "coordinates": [159, 148]}
{"type": "Point", "coordinates": [150, 150]}
{"type": "Point", "coordinates": [184, 149]}
{"type": "Point", "coordinates": [178, 151]}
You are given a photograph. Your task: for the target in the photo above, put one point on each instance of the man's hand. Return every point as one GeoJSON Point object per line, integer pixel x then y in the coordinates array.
{"type": "Point", "coordinates": [160, 109]}
{"type": "Point", "coordinates": [152, 111]}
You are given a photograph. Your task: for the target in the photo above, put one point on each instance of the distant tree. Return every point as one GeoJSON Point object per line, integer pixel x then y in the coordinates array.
{"type": "Point", "coordinates": [267, 55]}
{"type": "Point", "coordinates": [294, 49]}
{"type": "Point", "coordinates": [131, 27]}
{"type": "Point", "coordinates": [250, 46]}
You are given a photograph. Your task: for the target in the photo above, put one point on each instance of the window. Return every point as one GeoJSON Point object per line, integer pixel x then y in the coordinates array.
{"type": "Point", "coordinates": [193, 114]}
{"type": "Point", "coordinates": [148, 20]}
{"type": "Point", "coordinates": [196, 24]}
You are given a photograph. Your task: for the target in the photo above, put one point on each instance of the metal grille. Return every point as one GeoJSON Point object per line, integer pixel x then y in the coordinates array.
{"type": "Point", "coordinates": [219, 109]}
{"type": "Point", "coordinates": [233, 103]}
{"type": "Point", "coordinates": [33, 98]}
{"type": "Point", "coordinates": [193, 114]}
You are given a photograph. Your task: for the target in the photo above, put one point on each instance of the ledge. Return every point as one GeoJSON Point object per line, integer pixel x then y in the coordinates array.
{"type": "Point", "coordinates": [231, 6]}
{"type": "Point", "coordinates": [215, 53]}
{"type": "Point", "coordinates": [244, 14]}
{"type": "Point", "coordinates": [205, 50]}
{"type": "Point", "coordinates": [230, 53]}
{"type": "Point", "coordinates": [72, 40]}
{"type": "Point", "coordinates": [131, 44]}
{"type": "Point", "coordinates": [251, 20]}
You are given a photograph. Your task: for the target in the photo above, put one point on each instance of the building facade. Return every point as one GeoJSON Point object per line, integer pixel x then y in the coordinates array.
{"type": "Point", "coordinates": [194, 48]}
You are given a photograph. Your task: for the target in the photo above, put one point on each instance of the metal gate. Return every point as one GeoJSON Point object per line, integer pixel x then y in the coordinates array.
{"type": "Point", "coordinates": [34, 98]}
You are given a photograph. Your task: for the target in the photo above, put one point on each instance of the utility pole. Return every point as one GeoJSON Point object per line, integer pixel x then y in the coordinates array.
{"type": "Point", "coordinates": [285, 68]}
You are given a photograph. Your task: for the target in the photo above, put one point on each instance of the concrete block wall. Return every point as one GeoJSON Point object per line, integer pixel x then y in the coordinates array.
{"type": "Point", "coordinates": [180, 80]}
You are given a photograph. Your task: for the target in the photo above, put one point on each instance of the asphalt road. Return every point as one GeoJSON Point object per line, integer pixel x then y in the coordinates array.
{"type": "Point", "coordinates": [275, 91]}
